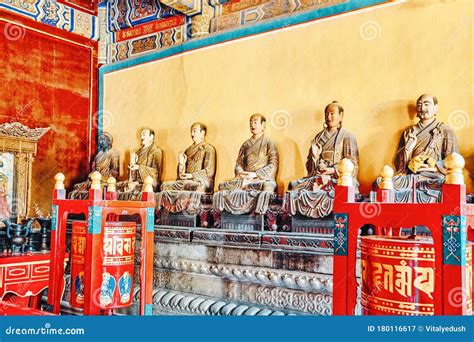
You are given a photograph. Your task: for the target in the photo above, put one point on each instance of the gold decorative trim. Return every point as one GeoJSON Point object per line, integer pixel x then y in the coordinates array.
{"type": "Point", "coordinates": [403, 257]}
{"type": "Point", "coordinates": [394, 249]}
{"type": "Point", "coordinates": [400, 302]}
{"type": "Point", "coordinates": [404, 312]}
{"type": "Point", "coordinates": [17, 130]}
{"type": "Point", "coordinates": [21, 141]}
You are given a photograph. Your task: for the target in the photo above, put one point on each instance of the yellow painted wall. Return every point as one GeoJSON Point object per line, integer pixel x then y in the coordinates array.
{"type": "Point", "coordinates": [375, 63]}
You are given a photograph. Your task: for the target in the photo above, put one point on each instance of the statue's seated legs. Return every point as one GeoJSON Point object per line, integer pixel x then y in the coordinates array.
{"type": "Point", "coordinates": [314, 204]}
{"type": "Point", "coordinates": [180, 202]}
{"type": "Point", "coordinates": [129, 191]}
{"type": "Point", "coordinates": [426, 185]}
{"type": "Point", "coordinates": [175, 201]}
{"type": "Point", "coordinates": [239, 196]}
{"type": "Point", "coordinates": [183, 185]}
{"type": "Point", "coordinates": [252, 185]}
{"type": "Point", "coordinates": [181, 196]}
{"type": "Point", "coordinates": [311, 197]}
{"type": "Point", "coordinates": [80, 191]}
{"type": "Point", "coordinates": [303, 183]}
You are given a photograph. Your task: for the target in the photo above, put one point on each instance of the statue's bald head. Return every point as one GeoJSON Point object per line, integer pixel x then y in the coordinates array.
{"type": "Point", "coordinates": [332, 105]}
{"type": "Point", "coordinates": [433, 98]}
{"type": "Point", "coordinates": [257, 124]}
{"type": "Point", "coordinates": [147, 136]}
{"type": "Point", "coordinates": [258, 116]}
{"type": "Point", "coordinates": [198, 132]}
{"type": "Point", "coordinates": [426, 107]}
{"type": "Point", "coordinates": [333, 114]}
{"type": "Point", "coordinates": [200, 126]}
{"type": "Point", "coordinates": [105, 141]}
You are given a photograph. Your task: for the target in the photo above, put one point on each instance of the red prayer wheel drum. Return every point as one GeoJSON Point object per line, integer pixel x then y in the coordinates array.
{"type": "Point", "coordinates": [398, 276]}
{"type": "Point", "coordinates": [118, 265]}
{"type": "Point", "coordinates": [78, 249]}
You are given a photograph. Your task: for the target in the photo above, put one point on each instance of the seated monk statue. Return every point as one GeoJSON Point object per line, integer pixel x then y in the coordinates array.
{"type": "Point", "coordinates": [419, 160]}
{"type": "Point", "coordinates": [196, 171]}
{"type": "Point", "coordinates": [146, 161]}
{"type": "Point", "coordinates": [313, 196]}
{"type": "Point", "coordinates": [255, 171]}
{"type": "Point", "coordinates": [106, 162]}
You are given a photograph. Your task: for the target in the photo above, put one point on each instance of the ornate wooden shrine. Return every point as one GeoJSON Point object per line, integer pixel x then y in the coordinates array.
{"type": "Point", "coordinates": [20, 142]}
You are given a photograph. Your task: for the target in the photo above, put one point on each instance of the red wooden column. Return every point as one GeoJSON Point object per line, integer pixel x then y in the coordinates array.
{"type": "Point", "coordinates": [342, 285]}
{"type": "Point", "coordinates": [147, 249]}
{"type": "Point", "coordinates": [94, 256]}
{"type": "Point", "coordinates": [454, 240]}
{"type": "Point", "coordinates": [57, 246]}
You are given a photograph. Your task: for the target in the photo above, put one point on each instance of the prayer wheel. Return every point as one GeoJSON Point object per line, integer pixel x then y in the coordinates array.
{"type": "Point", "coordinates": [398, 275]}
{"type": "Point", "coordinates": [117, 268]}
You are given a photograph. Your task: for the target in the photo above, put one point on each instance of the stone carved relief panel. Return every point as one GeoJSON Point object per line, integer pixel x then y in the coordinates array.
{"type": "Point", "coordinates": [266, 296]}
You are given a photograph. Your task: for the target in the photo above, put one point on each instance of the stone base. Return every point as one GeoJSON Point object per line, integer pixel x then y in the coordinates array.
{"type": "Point", "coordinates": [166, 218]}
{"type": "Point", "coordinates": [246, 222]}
{"type": "Point", "coordinates": [308, 225]}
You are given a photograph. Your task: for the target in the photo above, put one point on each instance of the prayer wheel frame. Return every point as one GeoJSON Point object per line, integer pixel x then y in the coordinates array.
{"type": "Point", "coordinates": [448, 221]}
{"type": "Point", "coordinates": [96, 211]}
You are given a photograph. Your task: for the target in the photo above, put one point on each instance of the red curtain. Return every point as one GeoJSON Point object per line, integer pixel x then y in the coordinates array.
{"type": "Point", "coordinates": [48, 78]}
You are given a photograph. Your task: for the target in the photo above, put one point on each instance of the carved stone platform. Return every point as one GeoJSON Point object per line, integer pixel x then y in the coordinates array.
{"type": "Point", "coordinates": [274, 219]}
{"type": "Point", "coordinates": [166, 218]}
{"type": "Point", "coordinates": [245, 222]}
{"type": "Point", "coordinates": [308, 225]}
{"type": "Point", "coordinates": [220, 272]}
